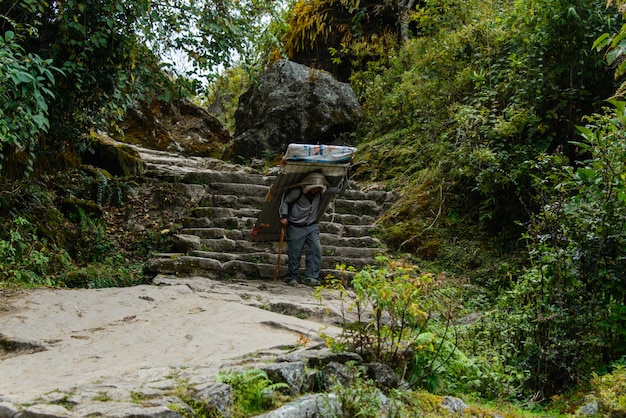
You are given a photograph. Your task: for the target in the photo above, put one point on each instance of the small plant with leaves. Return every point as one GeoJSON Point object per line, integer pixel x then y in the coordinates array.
{"type": "Point", "coordinates": [387, 316]}
{"type": "Point", "coordinates": [362, 398]}
{"type": "Point", "coordinates": [254, 392]}
{"type": "Point", "coordinates": [107, 190]}
{"type": "Point", "coordinates": [24, 259]}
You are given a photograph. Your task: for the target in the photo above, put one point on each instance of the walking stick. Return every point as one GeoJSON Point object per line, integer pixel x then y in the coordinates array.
{"type": "Point", "coordinates": [280, 250]}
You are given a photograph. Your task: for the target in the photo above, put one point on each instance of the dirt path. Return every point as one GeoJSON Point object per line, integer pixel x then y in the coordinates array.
{"type": "Point", "coordinates": [58, 339]}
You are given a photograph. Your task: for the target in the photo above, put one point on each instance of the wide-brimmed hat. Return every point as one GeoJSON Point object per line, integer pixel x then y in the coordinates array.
{"type": "Point", "coordinates": [313, 180]}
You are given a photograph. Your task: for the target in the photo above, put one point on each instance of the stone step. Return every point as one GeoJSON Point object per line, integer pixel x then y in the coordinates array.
{"type": "Point", "coordinates": [329, 261]}
{"type": "Point", "coordinates": [214, 213]}
{"type": "Point", "coordinates": [259, 186]}
{"type": "Point", "coordinates": [230, 198]}
{"type": "Point", "coordinates": [219, 179]}
{"type": "Point", "coordinates": [335, 254]}
{"type": "Point", "coordinates": [232, 269]}
{"type": "Point", "coordinates": [347, 219]}
{"type": "Point", "coordinates": [188, 174]}
{"type": "Point", "coordinates": [219, 222]}
{"type": "Point", "coordinates": [337, 229]}
{"type": "Point", "coordinates": [356, 242]}
{"type": "Point", "coordinates": [365, 207]}
{"type": "Point", "coordinates": [216, 233]}
{"type": "Point", "coordinates": [346, 230]}
{"type": "Point", "coordinates": [204, 170]}
{"type": "Point", "coordinates": [238, 189]}
{"type": "Point", "coordinates": [328, 220]}
{"type": "Point", "coordinates": [232, 201]}
{"type": "Point", "coordinates": [340, 206]}
{"type": "Point", "coordinates": [242, 201]}
{"type": "Point", "coordinates": [244, 223]}
{"type": "Point", "coordinates": [239, 245]}
{"type": "Point", "coordinates": [162, 160]}
{"type": "Point", "coordinates": [258, 190]}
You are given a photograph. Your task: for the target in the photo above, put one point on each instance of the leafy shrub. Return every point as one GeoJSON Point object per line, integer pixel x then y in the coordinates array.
{"type": "Point", "coordinates": [395, 315]}
{"type": "Point", "coordinates": [29, 260]}
{"type": "Point", "coordinates": [566, 312]}
{"type": "Point", "coordinates": [26, 81]}
{"type": "Point", "coordinates": [26, 260]}
{"type": "Point", "coordinates": [92, 243]}
{"type": "Point", "coordinates": [492, 371]}
{"type": "Point", "coordinates": [254, 392]}
{"type": "Point", "coordinates": [462, 108]}
{"type": "Point", "coordinates": [107, 190]}
{"type": "Point", "coordinates": [108, 273]}
{"type": "Point", "coordinates": [362, 398]}
{"type": "Point", "coordinates": [611, 391]}
{"type": "Point", "coordinates": [222, 96]}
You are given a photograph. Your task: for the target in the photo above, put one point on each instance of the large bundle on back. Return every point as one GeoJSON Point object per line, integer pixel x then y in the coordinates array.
{"type": "Point", "coordinates": [332, 161]}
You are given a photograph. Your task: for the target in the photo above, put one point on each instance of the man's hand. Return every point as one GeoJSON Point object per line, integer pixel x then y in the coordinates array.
{"type": "Point", "coordinates": [284, 221]}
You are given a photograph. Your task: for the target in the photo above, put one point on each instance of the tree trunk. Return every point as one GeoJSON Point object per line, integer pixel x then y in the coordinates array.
{"type": "Point", "coordinates": [404, 13]}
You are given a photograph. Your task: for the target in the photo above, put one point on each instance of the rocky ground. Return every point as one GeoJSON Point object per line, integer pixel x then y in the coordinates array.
{"type": "Point", "coordinates": [62, 344]}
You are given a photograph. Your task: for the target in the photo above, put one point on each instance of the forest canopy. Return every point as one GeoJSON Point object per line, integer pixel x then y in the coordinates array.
{"type": "Point", "coordinates": [71, 65]}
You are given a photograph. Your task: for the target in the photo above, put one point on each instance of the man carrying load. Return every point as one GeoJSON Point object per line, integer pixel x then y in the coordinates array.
{"type": "Point", "coordinates": [298, 213]}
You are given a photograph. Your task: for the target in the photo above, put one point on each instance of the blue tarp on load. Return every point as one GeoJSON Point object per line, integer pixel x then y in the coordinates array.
{"type": "Point", "coordinates": [319, 153]}
{"type": "Point", "coordinates": [331, 161]}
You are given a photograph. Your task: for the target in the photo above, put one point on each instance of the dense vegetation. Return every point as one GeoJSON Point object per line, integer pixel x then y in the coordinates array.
{"type": "Point", "coordinates": [476, 122]}
{"type": "Point", "coordinates": [76, 65]}
{"type": "Point", "coordinates": [499, 122]}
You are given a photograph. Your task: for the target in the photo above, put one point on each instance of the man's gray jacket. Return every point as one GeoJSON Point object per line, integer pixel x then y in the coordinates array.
{"type": "Point", "coordinates": [301, 209]}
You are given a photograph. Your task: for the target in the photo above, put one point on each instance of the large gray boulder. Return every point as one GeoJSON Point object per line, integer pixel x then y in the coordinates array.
{"type": "Point", "coordinates": [293, 103]}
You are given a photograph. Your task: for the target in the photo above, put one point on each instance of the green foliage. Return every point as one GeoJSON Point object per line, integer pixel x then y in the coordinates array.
{"type": "Point", "coordinates": [109, 53]}
{"type": "Point", "coordinates": [26, 84]}
{"type": "Point", "coordinates": [92, 243]}
{"type": "Point", "coordinates": [451, 120]}
{"type": "Point", "coordinates": [452, 116]}
{"type": "Point", "coordinates": [200, 408]}
{"type": "Point", "coordinates": [614, 45]}
{"type": "Point", "coordinates": [25, 260]}
{"type": "Point", "coordinates": [493, 370]}
{"type": "Point", "coordinates": [111, 272]}
{"type": "Point", "coordinates": [610, 390]}
{"type": "Point", "coordinates": [388, 317]}
{"type": "Point", "coordinates": [254, 392]}
{"type": "Point", "coordinates": [107, 191]}
{"type": "Point", "coordinates": [31, 261]}
{"type": "Point", "coordinates": [227, 32]}
{"type": "Point", "coordinates": [222, 96]}
{"type": "Point", "coordinates": [362, 398]}
{"type": "Point", "coordinates": [80, 244]}
{"type": "Point", "coordinates": [565, 314]}
{"type": "Point", "coordinates": [322, 33]}
{"type": "Point", "coordinates": [314, 22]}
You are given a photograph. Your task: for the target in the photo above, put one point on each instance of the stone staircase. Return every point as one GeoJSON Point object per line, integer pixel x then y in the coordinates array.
{"type": "Point", "coordinates": [215, 239]}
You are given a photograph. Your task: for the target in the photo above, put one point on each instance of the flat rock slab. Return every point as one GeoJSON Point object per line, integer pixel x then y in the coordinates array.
{"type": "Point", "coordinates": [60, 339]}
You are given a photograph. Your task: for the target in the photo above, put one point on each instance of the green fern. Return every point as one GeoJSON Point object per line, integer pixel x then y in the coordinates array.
{"type": "Point", "coordinates": [100, 186]}
{"type": "Point", "coordinates": [107, 191]}
{"type": "Point", "coordinates": [254, 392]}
